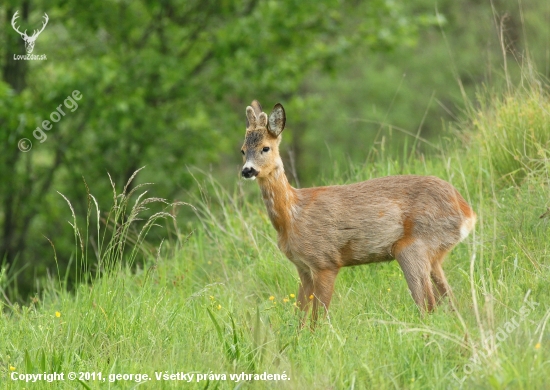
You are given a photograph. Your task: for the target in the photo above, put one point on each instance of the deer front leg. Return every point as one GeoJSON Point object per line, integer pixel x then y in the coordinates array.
{"type": "Point", "coordinates": [323, 286]}
{"type": "Point", "coordinates": [305, 290]}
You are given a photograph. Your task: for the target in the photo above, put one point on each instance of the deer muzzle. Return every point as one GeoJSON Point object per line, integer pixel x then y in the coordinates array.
{"type": "Point", "coordinates": [249, 173]}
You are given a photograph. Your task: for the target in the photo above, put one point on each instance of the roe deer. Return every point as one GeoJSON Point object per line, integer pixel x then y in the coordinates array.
{"type": "Point", "coordinates": [416, 220]}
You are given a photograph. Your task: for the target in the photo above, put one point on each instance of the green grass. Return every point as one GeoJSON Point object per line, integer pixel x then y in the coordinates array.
{"type": "Point", "coordinates": [513, 132]}
{"type": "Point", "coordinates": [201, 304]}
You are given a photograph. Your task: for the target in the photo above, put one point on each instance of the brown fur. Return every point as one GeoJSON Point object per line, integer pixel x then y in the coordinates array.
{"type": "Point", "coordinates": [413, 219]}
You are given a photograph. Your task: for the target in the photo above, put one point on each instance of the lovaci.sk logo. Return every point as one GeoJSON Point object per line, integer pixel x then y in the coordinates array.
{"type": "Point", "coordinates": [29, 40]}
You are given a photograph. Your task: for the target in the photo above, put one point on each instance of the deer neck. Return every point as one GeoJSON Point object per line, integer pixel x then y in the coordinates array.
{"type": "Point", "coordinates": [280, 199]}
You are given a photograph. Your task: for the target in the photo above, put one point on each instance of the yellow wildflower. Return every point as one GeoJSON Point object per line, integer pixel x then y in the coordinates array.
{"type": "Point", "coordinates": [537, 346]}
{"type": "Point", "coordinates": [311, 296]}
{"type": "Point", "coordinates": [57, 314]}
{"type": "Point", "coordinates": [292, 295]}
{"type": "Point", "coordinates": [12, 368]}
{"type": "Point", "coordinates": [271, 298]}
{"type": "Point", "coordinates": [285, 300]}
{"type": "Point", "coordinates": [219, 307]}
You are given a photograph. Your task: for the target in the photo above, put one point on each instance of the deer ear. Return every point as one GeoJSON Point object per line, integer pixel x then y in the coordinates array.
{"type": "Point", "coordinates": [277, 120]}
{"type": "Point", "coordinates": [251, 119]}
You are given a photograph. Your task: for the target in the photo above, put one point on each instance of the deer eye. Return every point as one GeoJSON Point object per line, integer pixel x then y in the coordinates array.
{"type": "Point", "coordinates": [242, 151]}
{"type": "Point", "coordinates": [265, 149]}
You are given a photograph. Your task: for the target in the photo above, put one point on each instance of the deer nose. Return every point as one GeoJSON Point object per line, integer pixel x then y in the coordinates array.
{"type": "Point", "coordinates": [248, 172]}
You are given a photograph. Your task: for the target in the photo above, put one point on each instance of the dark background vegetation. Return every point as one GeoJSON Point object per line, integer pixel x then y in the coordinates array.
{"type": "Point", "coordinates": [165, 85]}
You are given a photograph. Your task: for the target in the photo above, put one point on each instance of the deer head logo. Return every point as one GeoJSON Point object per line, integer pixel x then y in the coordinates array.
{"type": "Point", "coordinates": [29, 41]}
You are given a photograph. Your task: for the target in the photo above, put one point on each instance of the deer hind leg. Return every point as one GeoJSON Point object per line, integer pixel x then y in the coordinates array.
{"type": "Point", "coordinates": [438, 277]}
{"type": "Point", "coordinates": [414, 261]}
{"type": "Point", "coordinates": [323, 287]}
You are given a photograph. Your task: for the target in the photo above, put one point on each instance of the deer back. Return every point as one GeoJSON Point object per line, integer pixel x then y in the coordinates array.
{"type": "Point", "coordinates": [365, 222]}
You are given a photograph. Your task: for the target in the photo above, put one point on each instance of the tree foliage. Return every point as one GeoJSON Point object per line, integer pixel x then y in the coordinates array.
{"type": "Point", "coordinates": [162, 84]}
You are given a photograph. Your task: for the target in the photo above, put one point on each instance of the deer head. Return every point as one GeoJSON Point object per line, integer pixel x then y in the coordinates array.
{"type": "Point", "coordinates": [261, 145]}
{"type": "Point", "coordinates": [29, 41]}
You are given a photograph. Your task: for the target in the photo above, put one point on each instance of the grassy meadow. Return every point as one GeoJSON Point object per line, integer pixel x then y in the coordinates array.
{"type": "Point", "coordinates": [219, 299]}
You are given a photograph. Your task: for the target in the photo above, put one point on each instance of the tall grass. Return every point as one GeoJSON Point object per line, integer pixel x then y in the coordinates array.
{"type": "Point", "coordinates": [513, 131]}
{"type": "Point", "coordinates": [220, 300]}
